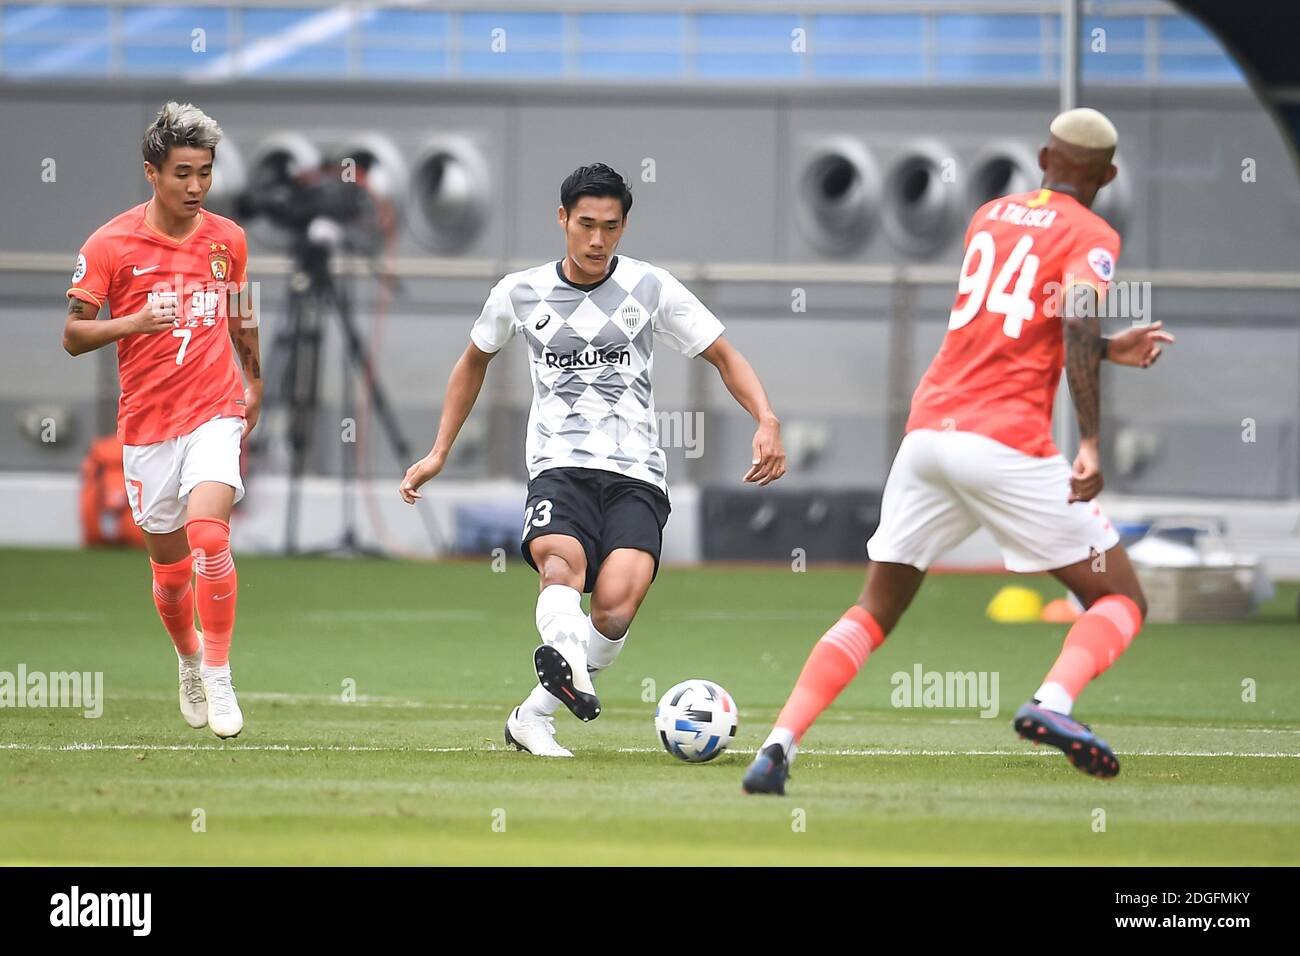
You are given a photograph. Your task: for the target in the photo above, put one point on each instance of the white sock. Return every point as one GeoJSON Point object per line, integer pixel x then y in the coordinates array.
{"type": "Point", "coordinates": [208, 671]}
{"type": "Point", "coordinates": [785, 739]}
{"type": "Point", "coordinates": [601, 651]}
{"type": "Point", "coordinates": [559, 617]}
{"type": "Point", "coordinates": [539, 703]}
{"type": "Point", "coordinates": [562, 625]}
{"type": "Point", "coordinates": [1055, 698]}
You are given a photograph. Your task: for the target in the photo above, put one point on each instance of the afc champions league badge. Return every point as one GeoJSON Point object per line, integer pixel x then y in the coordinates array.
{"type": "Point", "coordinates": [219, 260]}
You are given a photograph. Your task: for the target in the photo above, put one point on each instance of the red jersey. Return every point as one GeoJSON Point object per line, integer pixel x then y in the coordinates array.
{"type": "Point", "coordinates": [171, 383]}
{"type": "Point", "coordinates": [997, 371]}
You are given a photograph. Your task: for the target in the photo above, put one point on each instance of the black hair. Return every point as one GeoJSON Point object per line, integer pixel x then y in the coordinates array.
{"type": "Point", "coordinates": [594, 180]}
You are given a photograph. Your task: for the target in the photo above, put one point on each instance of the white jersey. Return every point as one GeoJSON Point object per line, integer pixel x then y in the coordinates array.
{"type": "Point", "coordinates": [592, 355]}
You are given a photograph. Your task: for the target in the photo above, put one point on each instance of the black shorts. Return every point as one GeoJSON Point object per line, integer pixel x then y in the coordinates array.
{"type": "Point", "coordinates": [602, 509]}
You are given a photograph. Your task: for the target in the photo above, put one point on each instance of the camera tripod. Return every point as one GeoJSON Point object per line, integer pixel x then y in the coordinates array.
{"type": "Point", "coordinates": [314, 296]}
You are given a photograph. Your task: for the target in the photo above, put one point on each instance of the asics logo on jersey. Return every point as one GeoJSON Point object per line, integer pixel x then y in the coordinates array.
{"type": "Point", "coordinates": [542, 323]}
{"type": "Point", "coordinates": [137, 271]}
{"type": "Point", "coordinates": [588, 358]}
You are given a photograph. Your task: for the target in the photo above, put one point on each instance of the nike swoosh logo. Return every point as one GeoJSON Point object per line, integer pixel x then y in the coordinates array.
{"type": "Point", "coordinates": [139, 272]}
{"type": "Point", "coordinates": [222, 597]}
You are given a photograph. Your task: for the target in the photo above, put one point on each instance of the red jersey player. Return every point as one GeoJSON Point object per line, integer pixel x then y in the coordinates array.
{"type": "Point", "coordinates": [978, 449]}
{"type": "Point", "coordinates": [175, 278]}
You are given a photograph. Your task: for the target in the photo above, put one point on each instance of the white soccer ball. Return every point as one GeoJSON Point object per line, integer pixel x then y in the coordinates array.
{"type": "Point", "coordinates": [696, 720]}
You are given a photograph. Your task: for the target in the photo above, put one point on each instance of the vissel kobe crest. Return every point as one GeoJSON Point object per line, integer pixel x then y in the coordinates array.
{"type": "Point", "coordinates": [631, 316]}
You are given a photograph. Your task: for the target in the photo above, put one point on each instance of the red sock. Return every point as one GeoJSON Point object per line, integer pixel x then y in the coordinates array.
{"type": "Point", "coordinates": [217, 586]}
{"type": "Point", "coordinates": [1100, 635]}
{"type": "Point", "coordinates": [174, 598]}
{"type": "Point", "coordinates": [834, 661]}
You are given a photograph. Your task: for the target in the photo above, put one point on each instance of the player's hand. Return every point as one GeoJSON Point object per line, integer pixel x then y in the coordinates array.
{"type": "Point", "coordinates": [252, 407]}
{"type": "Point", "coordinates": [1085, 477]}
{"type": "Point", "coordinates": [158, 316]}
{"type": "Point", "coordinates": [768, 463]}
{"type": "Point", "coordinates": [424, 469]}
{"type": "Point", "coordinates": [1138, 346]}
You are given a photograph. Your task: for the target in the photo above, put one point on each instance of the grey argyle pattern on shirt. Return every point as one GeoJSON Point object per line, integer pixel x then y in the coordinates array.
{"type": "Point", "coordinates": [591, 359]}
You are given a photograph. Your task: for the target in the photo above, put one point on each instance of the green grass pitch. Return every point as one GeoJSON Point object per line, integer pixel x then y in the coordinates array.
{"type": "Point", "coordinates": [414, 771]}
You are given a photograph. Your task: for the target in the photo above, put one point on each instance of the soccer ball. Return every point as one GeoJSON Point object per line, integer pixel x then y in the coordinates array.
{"type": "Point", "coordinates": [696, 720]}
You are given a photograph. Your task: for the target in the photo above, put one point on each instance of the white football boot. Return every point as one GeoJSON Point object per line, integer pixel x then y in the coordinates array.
{"type": "Point", "coordinates": [194, 703]}
{"type": "Point", "coordinates": [224, 716]}
{"type": "Point", "coordinates": [534, 735]}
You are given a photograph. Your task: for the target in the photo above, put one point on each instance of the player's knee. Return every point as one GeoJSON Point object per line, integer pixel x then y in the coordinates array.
{"type": "Point", "coordinates": [613, 622]}
{"type": "Point", "coordinates": [1131, 593]}
{"type": "Point", "coordinates": [207, 535]}
{"type": "Point", "coordinates": [209, 540]}
{"type": "Point", "coordinates": [556, 569]}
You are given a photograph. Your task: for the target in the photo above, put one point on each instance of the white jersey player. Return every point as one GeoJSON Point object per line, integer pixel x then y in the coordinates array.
{"type": "Point", "coordinates": [597, 491]}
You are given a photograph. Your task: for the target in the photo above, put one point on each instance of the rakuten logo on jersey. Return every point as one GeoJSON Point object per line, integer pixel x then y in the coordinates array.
{"type": "Point", "coordinates": [588, 358]}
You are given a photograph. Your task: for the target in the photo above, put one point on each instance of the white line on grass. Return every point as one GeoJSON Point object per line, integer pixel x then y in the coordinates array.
{"type": "Point", "coordinates": [50, 617]}
{"type": "Point", "coordinates": [350, 748]}
{"type": "Point", "coordinates": [884, 719]}
{"type": "Point", "coordinates": [362, 700]}
{"type": "Point", "coordinates": [231, 748]}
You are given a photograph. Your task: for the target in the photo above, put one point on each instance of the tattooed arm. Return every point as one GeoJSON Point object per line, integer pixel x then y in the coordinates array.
{"type": "Point", "coordinates": [242, 323]}
{"type": "Point", "coordinates": [84, 332]}
{"type": "Point", "coordinates": [1084, 350]}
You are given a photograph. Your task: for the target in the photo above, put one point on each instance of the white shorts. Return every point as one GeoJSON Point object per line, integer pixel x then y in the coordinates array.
{"type": "Point", "coordinates": [945, 484]}
{"type": "Point", "coordinates": [159, 477]}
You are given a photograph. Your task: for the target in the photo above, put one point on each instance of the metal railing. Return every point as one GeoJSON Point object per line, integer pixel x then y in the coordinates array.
{"type": "Point", "coordinates": [437, 267]}
{"type": "Point", "coordinates": [1277, 299]}
{"type": "Point", "coordinates": [707, 273]}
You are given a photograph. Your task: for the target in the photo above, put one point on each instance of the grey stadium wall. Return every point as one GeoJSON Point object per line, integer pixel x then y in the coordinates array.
{"type": "Point", "coordinates": [737, 177]}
